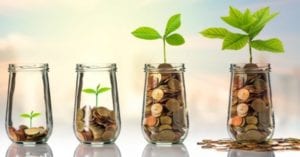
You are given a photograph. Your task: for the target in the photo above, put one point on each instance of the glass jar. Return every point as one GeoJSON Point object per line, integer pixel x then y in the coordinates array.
{"type": "Point", "coordinates": [96, 113]}
{"type": "Point", "coordinates": [165, 117]}
{"type": "Point", "coordinates": [250, 111]}
{"type": "Point", "coordinates": [28, 111]}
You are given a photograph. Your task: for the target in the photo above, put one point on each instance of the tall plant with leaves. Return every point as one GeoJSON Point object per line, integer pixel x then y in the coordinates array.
{"type": "Point", "coordinates": [251, 24]}
{"type": "Point", "coordinates": [96, 91]}
{"type": "Point", "coordinates": [174, 39]}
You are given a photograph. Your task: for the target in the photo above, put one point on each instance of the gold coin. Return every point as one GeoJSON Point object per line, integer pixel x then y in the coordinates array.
{"type": "Point", "coordinates": [250, 127]}
{"type": "Point", "coordinates": [174, 84]}
{"type": "Point", "coordinates": [157, 94]}
{"type": "Point", "coordinates": [258, 105]}
{"type": "Point", "coordinates": [108, 135]}
{"type": "Point", "coordinates": [96, 131]}
{"type": "Point", "coordinates": [172, 105]}
{"type": "Point", "coordinates": [251, 120]}
{"type": "Point", "coordinates": [165, 66]}
{"type": "Point", "coordinates": [103, 111]}
{"type": "Point", "coordinates": [153, 80]}
{"type": "Point", "coordinates": [80, 115]}
{"type": "Point", "coordinates": [32, 131]}
{"type": "Point", "coordinates": [164, 127]}
{"type": "Point", "coordinates": [166, 135]}
{"type": "Point", "coordinates": [243, 94]}
{"type": "Point", "coordinates": [242, 109]}
{"type": "Point", "coordinates": [260, 85]}
{"type": "Point", "coordinates": [166, 120]}
{"type": "Point", "coordinates": [156, 109]}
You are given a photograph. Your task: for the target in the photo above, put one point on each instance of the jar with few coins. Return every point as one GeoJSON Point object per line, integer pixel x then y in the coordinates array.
{"type": "Point", "coordinates": [165, 116]}
{"type": "Point", "coordinates": [250, 111]}
{"type": "Point", "coordinates": [96, 113]}
{"type": "Point", "coordinates": [28, 112]}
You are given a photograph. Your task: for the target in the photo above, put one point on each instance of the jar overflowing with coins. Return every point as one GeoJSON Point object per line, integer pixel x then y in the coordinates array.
{"type": "Point", "coordinates": [96, 113]}
{"type": "Point", "coordinates": [165, 116]}
{"type": "Point", "coordinates": [250, 112]}
{"type": "Point", "coordinates": [28, 111]}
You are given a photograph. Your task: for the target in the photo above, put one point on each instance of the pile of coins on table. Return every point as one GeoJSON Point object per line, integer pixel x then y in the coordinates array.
{"type": "Point", "coordinates": [272, 145]}
{"type": "Point", "coordinates": [26, 134]}
{"type": "Point", "coordinates": [164, 118]}
{"type": "Point", "coordinates": [250, 113]}
{"type": "Point", "coordinates": [95, 125]}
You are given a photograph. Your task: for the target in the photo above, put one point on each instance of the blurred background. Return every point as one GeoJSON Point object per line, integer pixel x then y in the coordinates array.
{"type": "Point", "coordinates": [66, 32]}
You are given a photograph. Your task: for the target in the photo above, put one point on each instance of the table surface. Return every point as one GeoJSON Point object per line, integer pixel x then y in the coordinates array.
{"type": "Point", "coordinates": [130, 143]}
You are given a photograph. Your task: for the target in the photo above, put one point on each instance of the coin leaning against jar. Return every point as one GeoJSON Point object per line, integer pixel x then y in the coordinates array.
{"type": "Point", "coordinates": [250, 114]}
{"type": "Point", "coordinates": [26, 134]}
{"type": "Point", "coordinates": [164, 109]}
{"type": "Point", "coordinates": [95, 124]}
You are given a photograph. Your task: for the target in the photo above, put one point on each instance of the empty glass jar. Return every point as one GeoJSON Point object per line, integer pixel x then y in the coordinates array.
{"type": "Point", "coordinates": [165, 117]}
{"type": "Point", "coordinates": [28, 111]}
{"type": "Point", "coordinates": [96, 113]}
{"type": "Point", "coordinates": [250, 112]}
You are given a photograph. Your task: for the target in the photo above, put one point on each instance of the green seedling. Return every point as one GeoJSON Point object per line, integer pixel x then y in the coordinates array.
{"type": "Point", "coordinates": [169, 37]}
{"type": "Point", "coordinates": [96, 91]}
{"type": "Point", "coordinates": [30, 116]}
{"type": "Point", "coordinates": [251, 24]}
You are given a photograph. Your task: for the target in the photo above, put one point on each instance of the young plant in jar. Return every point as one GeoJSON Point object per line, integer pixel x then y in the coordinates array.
{"type": "Point", "coordinates": [250, 112]}
{"type": "Point", "coordinates": [96, 124]}
{"type": "Point", "coordinates": [28, 133]}
{"type": "Point", "coordinates": [165, 118]}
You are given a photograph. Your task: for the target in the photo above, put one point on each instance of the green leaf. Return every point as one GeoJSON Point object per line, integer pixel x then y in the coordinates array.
{"type": "Point", "coordinates": [262, 16]}
{"type": "Point", "coordinates": [272, 45]}
{"type": "Point", "coordinates": [24, 115]}
{"type": "Point", "coordinates": [238, 19]}
{"type": "Point", "coordinates": [235, 41]}
{"type": "Point", "coordinates": [175, 39]}
{"type": "Point", "coordinates": [147, 33]}
{"type": "Point", "coordinates": [89, 91]}
{"type": "Point", "coordinates": [234, 17]}
{"type": "Point", "coordinates": [173, 24]}
{"type": "Point", "coordinates": [215, 32]}
{"type": "Point", "coordinates": [36, 114]}
{"type": "Point", "coordinates": [102, 90]}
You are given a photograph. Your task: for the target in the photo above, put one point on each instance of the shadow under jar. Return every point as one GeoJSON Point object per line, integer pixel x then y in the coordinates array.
{"type": "Point", "coordinates": [28, 112]}
{"type": "Point", "coordinates": [96, 113]}
{"type": "Point", "coordinates": [165, 116]}
{"type": "Point", "coordinates": [250, 112]}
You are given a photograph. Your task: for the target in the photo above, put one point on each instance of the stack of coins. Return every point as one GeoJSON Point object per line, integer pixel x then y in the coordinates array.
{"type": "Point", "coordinates": [250, 113]}
{"type": "Point", "coordinates": [95, 125]}
{"type": "Point", "coordinates": [164, 111]}
{"type": "Point", "coordinates": [25, 134]}
{"type": "Point", "coordinates": [272, 145]}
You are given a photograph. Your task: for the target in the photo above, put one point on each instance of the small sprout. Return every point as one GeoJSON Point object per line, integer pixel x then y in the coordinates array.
{"type": "Point", "coordinates": [251, 24]}
{"type": "Point", "coordinates": [169, 37]}
{"type": "Point", "coordinates": [30, 116]}
{"type": "Point", "coordinates": [96, 91]}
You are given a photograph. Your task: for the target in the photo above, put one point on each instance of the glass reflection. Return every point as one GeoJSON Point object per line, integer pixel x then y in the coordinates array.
{"type": "Point", "coordinates": [107, 150]}
{"type": "Point", "coordinates": [244, 153]}
{"type": "Point", "coordinates": [19, 150]}
{"type": "Point", "coordinates": [177, 150]}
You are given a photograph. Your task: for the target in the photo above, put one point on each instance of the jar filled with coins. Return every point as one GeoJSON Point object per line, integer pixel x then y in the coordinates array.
{"type": "Point", "coordinates": [165, 116]}
{"type": "Point", "coordinates": [96, 113]}
{"type": "Point", "coordinates": [28, 111]}
{"type": "Point", "coordinates": [250, 112]}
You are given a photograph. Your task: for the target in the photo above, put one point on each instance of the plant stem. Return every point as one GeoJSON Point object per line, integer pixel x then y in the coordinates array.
{"type": "Point", "coordinates": [250, 51]}
{"type": "Point", "coordinates": [164, 46]}
{"type": "Point", "coordinates": [96, 100]}
{"type": "Point", "coordinates": [30, 125]}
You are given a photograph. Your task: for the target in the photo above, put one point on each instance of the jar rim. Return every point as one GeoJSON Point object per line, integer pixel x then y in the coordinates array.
{"type": "Point", "coordinates": [171, 67]}
{"type": "Point", "coordinates": [250, 67]}
{"type": "Point", "coordinates": [14, 67]}
{"type": "Point", "coordinates": [85, 67]}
